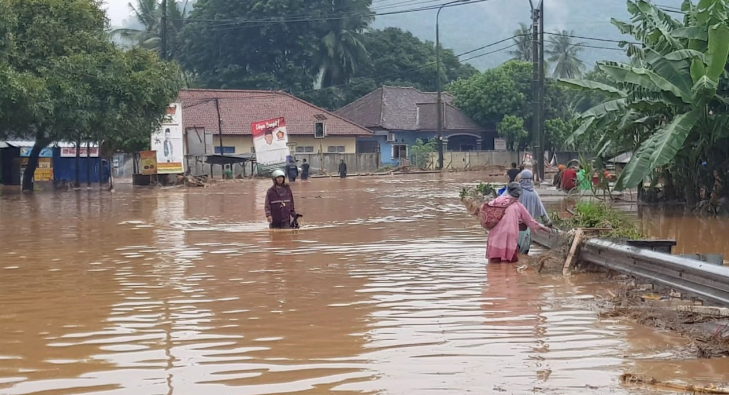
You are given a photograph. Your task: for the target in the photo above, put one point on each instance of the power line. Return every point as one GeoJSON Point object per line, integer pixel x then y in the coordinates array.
{"type": "Point", "coordinates": [263, 22]}
{"type": "Point", "coordinates": [490, 52]}
{"type": "Point", "coordinates": [594, 38]}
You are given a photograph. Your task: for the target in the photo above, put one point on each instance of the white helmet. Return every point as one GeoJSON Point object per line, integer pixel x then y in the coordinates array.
{"type": "Point", "coordinates": [277, 174]}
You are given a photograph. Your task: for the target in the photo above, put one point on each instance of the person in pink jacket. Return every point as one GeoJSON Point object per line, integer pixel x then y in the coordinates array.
{"type": "Point", "coordinates": [503, 239]}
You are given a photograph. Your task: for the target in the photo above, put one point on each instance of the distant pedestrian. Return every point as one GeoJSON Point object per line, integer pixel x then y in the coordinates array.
{"type": "Point", "coordinates": [512, 173]}
{"type": "Point", "coordinates": [292, 170]}
{"type": "Point", "coordinates": [342, 169]}
{"type": "Point", "coordinates": [228, 172]}
{"type": "Point", "coordinates": [569, 179]}
{"type": "Point", "coordinates": [557, 182]}
{"type": "Point", "coordinates": [304, 171]}
{"type": "Point", "coordinates": [583, 180]}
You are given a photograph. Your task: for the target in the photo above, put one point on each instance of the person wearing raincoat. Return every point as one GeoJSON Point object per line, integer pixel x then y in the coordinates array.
{"type": "Point", "coordinates": [279, 205]}
{"type": "Point", "coordinates": [584, 182]}
{"type": "Point", "coordinates": [503, 239]}
{"type": "Point", "coordinates": [533, 203]}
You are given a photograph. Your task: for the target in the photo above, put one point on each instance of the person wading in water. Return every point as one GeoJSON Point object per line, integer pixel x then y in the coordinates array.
{"type": "Point", "coordinates": [533, 203]}
{"type": "Point", "coordinates": [503, 239]}
{"type": "Point", "coordinates": [279, 205]}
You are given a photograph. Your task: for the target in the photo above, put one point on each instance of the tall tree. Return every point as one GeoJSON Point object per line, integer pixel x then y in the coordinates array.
{"type": "Point", "coordinates": [398, 59]}
{"type": "Point", "coordinates": [256, 44]}
{"type": "Point", "coordinates": [523, 41]}
{"type": "Point", "coordinates": [563, 54]}
{"type": "Point", "coordinates": [504, 94]}
{"type": "Point", "coordinates": [68, 82]}
{"type": "Point", "coordinates": [341, 50]}
{"type": "Point", "coordinates": [148, 13]}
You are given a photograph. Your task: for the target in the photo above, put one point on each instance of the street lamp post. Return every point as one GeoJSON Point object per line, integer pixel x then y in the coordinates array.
{"type": "Point", "coordinates": [438, 82]}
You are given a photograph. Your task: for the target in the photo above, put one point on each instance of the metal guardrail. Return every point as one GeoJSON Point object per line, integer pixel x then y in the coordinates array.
{"type": "Point", "coordinates": [695, 278]}
{"type": "Point", "coordinates": [703, 280]}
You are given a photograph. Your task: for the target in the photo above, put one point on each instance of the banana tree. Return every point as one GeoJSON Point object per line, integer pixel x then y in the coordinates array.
{"type": "Point", "coordinates": [664, 105]}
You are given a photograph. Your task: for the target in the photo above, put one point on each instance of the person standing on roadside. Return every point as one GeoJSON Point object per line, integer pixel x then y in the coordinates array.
{"type": "Point", "coordinates": [342, 169]}
{"type": "Point", "coordinates": [569, 179]}
{"type": "Point", "coordinates": [304, 171]}
{"type": "Point", "coordinates": [512, 173]}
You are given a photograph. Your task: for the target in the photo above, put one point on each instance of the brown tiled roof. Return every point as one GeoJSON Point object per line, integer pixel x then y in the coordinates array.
{"type": "Point", "coordinates": [396, 108]}
{"type": "Point", "coordinates": [240, 108]}
{"type": "Point", "coordinates": [453, 119]}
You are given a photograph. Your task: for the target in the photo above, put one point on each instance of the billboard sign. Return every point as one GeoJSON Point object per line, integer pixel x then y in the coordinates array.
{"type": "Point", "coordinates": [270, 139]}
{"type": "Point", "coordinates": [168, 142]}
{"type": "Point", "coordinates": [499, 144]}
{"type": "Point", "coordinates": [70, 152]}
{"type": "Point", "coordinates": [45, 152]}
{"type": "Point", "coordinates": [148, 162]}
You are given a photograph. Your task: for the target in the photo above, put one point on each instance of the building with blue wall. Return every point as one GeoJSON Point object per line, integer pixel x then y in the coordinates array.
{"type": "Point", "coordinates": [398, 116]}
{"type": "Point", "coordinates": [56, 163]}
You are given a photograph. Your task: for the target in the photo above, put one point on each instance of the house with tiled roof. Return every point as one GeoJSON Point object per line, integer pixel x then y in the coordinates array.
{"type": "Point", "coordinates": [398, 116]}
{"type": "Point", "coordinates": [311, 129]}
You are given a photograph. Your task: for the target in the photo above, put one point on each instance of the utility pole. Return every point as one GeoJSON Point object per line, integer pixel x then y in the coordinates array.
{"type": "Point", "coordinates": [439, 103]}
{"type": "Point", "coordinates": [542, 142]}
{"type": "Point", "coordinates": [535, 80]}
{"type": "Point", "coordinates": [538, 88]}
{"type": "Point", "coordinates": [163, 33]}
{"type": "Point", "coordinates": [220, 135]}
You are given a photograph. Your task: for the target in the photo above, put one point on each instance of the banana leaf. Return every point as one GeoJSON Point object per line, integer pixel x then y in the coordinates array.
{"type": "Point", "coordinates": [657, 151]}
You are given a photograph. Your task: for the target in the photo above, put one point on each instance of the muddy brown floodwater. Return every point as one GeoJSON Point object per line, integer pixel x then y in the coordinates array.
{"type": "Point", "coordinates": [385, 291]}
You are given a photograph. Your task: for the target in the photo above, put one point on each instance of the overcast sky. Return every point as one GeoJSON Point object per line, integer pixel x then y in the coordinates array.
{"type": "Point", "coordinates": [117, 11]}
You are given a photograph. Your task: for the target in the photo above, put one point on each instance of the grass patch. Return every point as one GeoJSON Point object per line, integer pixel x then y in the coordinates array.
{"type": "Point", "coordinates": [599, 215]}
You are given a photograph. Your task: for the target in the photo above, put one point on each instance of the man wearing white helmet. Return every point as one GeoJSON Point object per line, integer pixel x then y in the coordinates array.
{"type": "Point", "coordinates": [279, 204]}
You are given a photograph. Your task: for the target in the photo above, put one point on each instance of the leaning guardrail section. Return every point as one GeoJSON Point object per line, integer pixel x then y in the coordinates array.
{"type": "Point", "coordinates": [705, 281]}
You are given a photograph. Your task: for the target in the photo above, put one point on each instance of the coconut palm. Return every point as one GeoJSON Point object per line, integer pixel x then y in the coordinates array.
{"type": "Point", "coordinates": [148, 13]}
{"type": "Point", "coordinates": [341, 49]}
{"type": "Point", "coordinates": [562, 52]}
{"type": "Point", "coordinates": [523, 41]}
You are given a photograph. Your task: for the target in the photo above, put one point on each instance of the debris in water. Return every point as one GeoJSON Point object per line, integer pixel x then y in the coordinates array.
{"type": "Point", "coordinates": [631, 379]}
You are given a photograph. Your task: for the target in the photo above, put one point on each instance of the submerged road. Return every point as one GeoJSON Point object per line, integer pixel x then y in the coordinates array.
{"type": "Point", "coordinates": [385, 291]}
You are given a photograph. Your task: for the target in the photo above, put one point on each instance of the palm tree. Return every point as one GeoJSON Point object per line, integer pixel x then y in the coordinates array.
{"type": "Point", "coordinates": [341, 50]}
{"type": "Point", "coordinates": [149, 14]}
{"type": "Point", "coordinates": [523, 41]}
{"type": "Point", "coordinates": [563, 54]}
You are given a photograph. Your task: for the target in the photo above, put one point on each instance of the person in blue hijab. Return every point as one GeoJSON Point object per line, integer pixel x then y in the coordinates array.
{"type": "Point", "coordinates": [533, 203]}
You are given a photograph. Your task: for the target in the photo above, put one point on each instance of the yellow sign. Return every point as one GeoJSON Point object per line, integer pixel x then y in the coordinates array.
{"type": "Point", "coordinates": [148, 162]}
{"type": "Point", "coordinates": [170, 168]}
{"type": "Point", "coordinates": [44, 171]}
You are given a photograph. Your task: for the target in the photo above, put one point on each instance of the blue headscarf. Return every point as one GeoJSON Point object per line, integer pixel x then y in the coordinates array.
{"type": "Point", "coordinates": [529, 197]}
{"type": "Point", "coordinates": [527, 180]}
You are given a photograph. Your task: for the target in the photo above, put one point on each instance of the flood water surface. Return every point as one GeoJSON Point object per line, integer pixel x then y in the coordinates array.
{"type": "Point", "coordinates": [384, 291]}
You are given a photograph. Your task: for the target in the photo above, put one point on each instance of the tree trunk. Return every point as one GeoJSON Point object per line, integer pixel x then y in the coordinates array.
{"type": "Point", "coordinates": [77, 182]}
{"type": "Point", "coordinates": [690, 192]}
{"type": "Point", "coordinates": [40, 144]}
{"type": "Point", "coordinates": [88, 165]}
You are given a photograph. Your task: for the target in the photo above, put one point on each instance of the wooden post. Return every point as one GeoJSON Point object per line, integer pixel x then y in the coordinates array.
{"type": "Point", "coordinates": [567, 269]}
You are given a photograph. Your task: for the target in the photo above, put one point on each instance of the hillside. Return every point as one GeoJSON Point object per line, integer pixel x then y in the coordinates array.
{"type": "Point", "coordinates": [471, 26]}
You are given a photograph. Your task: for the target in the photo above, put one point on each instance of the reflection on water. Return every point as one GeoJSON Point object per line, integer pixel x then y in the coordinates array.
{"type": "Point", "coordinates": [385, 291]}
{"type": "Point", "coordinates": [694, 234]}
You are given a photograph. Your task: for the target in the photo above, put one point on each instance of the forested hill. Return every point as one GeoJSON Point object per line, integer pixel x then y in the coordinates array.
{"type": "Point", "coordinates": [474, 25]}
